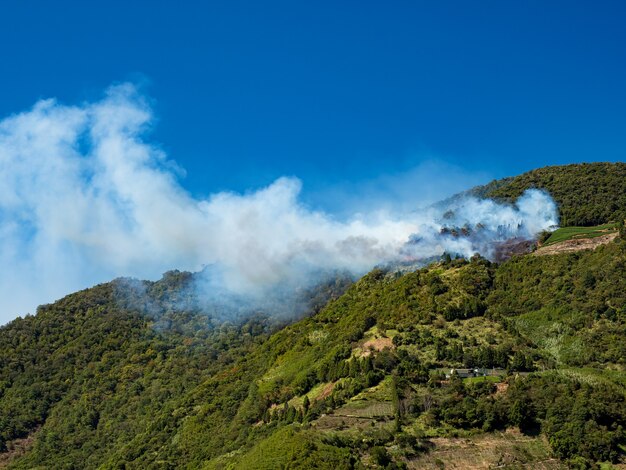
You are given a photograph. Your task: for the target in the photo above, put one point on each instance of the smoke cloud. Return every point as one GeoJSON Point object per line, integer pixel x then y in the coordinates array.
{"type": "Point", "coordinates": [84, 198]}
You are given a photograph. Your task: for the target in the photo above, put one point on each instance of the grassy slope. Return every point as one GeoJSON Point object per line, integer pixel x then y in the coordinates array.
{"type": "Point", "coordinates": [569, 233]}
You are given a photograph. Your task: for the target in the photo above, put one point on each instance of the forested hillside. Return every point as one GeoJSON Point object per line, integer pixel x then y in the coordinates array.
{"type": "Point", "coordinates": [586, 193]}
{"type": "Point", "coordinates": [96, 366]}
{"type": "Point", "coordinates": [521, 362]}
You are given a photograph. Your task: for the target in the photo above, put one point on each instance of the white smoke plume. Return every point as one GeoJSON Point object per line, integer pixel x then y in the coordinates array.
{"type": "Point", "coordinates": [84, 198]}
{"type": "Point", "coordinates": [468, 225]}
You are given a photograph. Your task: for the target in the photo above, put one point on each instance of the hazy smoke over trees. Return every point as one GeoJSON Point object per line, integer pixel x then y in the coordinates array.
{"type": "Point", "coordinates": [84, 198]}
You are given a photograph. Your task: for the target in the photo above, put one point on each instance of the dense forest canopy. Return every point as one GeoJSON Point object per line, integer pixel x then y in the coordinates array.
{"type": "Point", "coordinates": [586, 193]}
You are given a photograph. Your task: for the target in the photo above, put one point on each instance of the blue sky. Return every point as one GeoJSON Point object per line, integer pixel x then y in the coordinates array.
{"type": "Point", "coordinates": [337, 93]}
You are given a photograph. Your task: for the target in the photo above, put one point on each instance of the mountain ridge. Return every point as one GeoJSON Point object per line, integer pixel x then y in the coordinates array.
{"type": "Point", "coordinates": [105, 388]}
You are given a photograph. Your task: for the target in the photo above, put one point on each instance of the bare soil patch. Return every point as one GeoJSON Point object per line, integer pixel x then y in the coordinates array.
{"type": "Point", "coordinates": [501, 387]}
{"type": "Point", "coordinates": [575, 244]}
{"type": "Point", "coordinates": [16, 448]}
{"type": "Point", "coordinates": [376, 344]}
{"type": "Point", "coordinates": [328, 389]}
{"type": "Point", "coordinates": [510, 449]}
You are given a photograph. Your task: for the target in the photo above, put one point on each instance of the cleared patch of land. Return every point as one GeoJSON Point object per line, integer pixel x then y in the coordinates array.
{"type": "Point", "coordinates": [377, 344]}
{"type": "Point", "coordinates": [576, 244]}
{"type": "Point", "coordinates": [573, 233]}
{"type": "Point", "coordinates": [17, 448]}
{"type": "Point", "coordinates": [374, 340]}
{"type": "Point", "coordinates": [570, 239]}
{"type": "Point", "coordinates": [319, 392]}
{"type": "Point", "coordinates": [508, 450]}
{"type": "Point", "coordinates": [361, 415]}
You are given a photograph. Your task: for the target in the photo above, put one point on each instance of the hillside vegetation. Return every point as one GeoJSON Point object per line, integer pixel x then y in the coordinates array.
{"type": "Point", "coordinates": [132, 375]}
{"type": "Point", "coordinates": [587, 194]}
{"type": "Point", "coordinates": [123, 395]}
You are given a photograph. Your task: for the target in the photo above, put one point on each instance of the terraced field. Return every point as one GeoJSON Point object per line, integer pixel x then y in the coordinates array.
{"type": "Point", "coordinates": [572, 233]}
{"type": "Point", "coordinates": [505, 450]}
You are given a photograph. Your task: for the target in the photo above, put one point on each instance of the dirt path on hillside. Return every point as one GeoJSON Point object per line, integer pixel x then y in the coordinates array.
{"type": "Point", "coordinates": [575, 244]}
